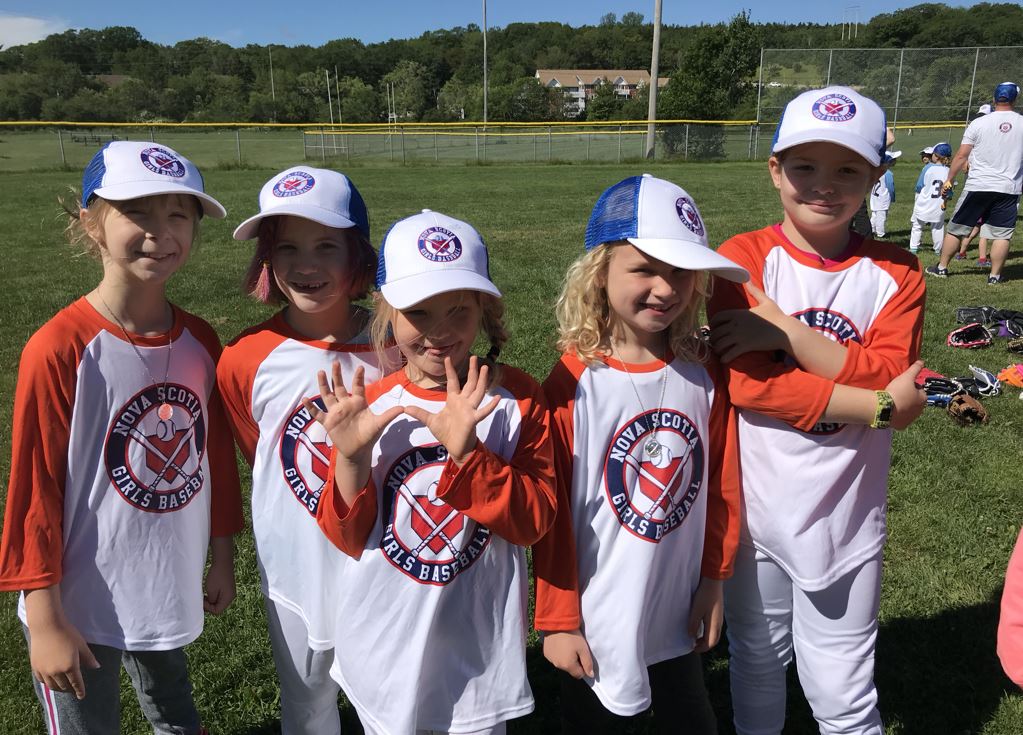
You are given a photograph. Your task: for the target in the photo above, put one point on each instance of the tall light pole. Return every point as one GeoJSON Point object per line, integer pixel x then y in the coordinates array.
{"type": "Point", "coordinates": [484, 63]}
{"type": "Point", "coordinates": [651, 110]}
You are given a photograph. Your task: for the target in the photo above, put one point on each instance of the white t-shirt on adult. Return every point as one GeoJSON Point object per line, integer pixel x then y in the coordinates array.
{"type": "Point", "coordinates": [996, 161]}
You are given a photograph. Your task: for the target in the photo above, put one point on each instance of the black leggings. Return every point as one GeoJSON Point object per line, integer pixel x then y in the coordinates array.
{"type": "Point", "coordinates": [676, 685]}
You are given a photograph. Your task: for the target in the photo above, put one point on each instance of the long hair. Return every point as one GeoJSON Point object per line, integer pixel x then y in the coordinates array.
{"type": "Point", "coordinates": [584, 315]}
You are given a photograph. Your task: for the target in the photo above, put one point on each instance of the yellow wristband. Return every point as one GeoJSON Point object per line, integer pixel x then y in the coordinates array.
{"type": "Point", "coordinates": [885, 408]}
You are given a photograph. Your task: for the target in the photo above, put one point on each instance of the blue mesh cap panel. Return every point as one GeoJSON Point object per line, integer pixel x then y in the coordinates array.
{"type": "Point", "coordinates": [357, 210]}
{"type": "Point", "coordinates": [777, 130]}
{"type": "Point", "coordinates": [381, 267]}
{"type": "Point", "coordinates": [884, 133]}
{"type": "Point", "coordinates": [92, 177]}
{"type": "Point", "coordinates": [614, 215]}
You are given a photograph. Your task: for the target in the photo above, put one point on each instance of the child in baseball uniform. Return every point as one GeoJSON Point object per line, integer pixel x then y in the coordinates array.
{"type": "Point", "coordinates": [312, 255]}
{"type": "Point", "coordinates": [441, 473]}
{"type": "Point", "coordinates": [121, 479]}
{"type": "Point", "coordinates": [882, 196]}
{"type": "Point", "coordinates": [929, 205]}
{"type": "Point", "coordinates": [820, 347]}
{"type": "Point", "coordinates": [629, 579]}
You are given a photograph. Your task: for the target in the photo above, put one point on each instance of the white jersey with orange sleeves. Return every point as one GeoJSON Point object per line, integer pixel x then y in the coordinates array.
{"type": "Point", "coordinates": [117, 482]}
{"type": "Point", "coordinates": [927, 205]}
{"type": "Point", "coordinates": [263, 376]}
{"type": "Point", "coordinates": [814, 494]}
{"type": "Point", "coordinates": [647, 457]}
{"type": "Point", "coordinates": [431, 630]}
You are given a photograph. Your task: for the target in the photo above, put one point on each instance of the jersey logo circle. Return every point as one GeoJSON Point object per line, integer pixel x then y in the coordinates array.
{"type": "Point", "coordinates": [1005, 127]}
{"type": "Point", "coordinates": [653, 472]}
{"type": "Point", "coordinates": [162, 161]}
{"type": "Point", "coordinates": [155, 463]}
{"type": "Point", "coordinates": [293, 184]}
{"type": "Point", "coordinates": [838, 327]}
{"type": "Point", "coordinates": [424, 537]}
{"type": "Point", "coordinates": [439, 245]}
{"type": "Point", "coordinates": [689, 216]}
{"type": "Point", "coordinates": [305, 456]}
{"type": "Point", "coordinates": [834, 108]}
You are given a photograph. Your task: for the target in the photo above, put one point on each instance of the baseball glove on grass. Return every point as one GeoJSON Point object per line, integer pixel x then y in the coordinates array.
{"type": "Point", "coordinates": [1015, 345]}
{"type": "Point", "coordinates": [970, 337]}
{"type": "Point", "coordinates": [966, 410]}
{"type": "Point", "coordinates": [970, 314]}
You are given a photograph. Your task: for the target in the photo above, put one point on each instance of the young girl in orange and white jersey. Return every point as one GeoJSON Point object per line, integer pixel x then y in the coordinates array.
{"type": "Point", "coordinates": [312, 254]}
{"type": "Point", "coordinates": [442, 473]}
{"type": "Point", "coordinates": [629, 580]}
{"type": "Point", "coordinates": [121, 477]}
{"type": "Point", "coordinates": [820, 349]}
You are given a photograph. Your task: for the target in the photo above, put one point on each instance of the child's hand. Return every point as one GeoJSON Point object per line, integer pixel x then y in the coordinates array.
{"type": "Point", "coordinates": [569, 652]}
{"type": "Point", "coordinates": [352, 427]}
{"type": "Point", "coordinates": [57, 653]}
{"type": "Point", "coordinates": [220, 589]}
{"type": "Point", "coordinates": [455, 425]}
{"type": "Point", "coordinates": [909, 399]}
{"type": "Point", "coordinates": [760, 328]}
{"type": "Point", "coordinates": [706, 614]}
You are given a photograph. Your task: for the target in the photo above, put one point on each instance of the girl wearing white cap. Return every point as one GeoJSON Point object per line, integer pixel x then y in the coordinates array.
{"type": "Point", "coordinates": [629, 580]}
{"type": "Point", "coordinates": [313, 256]}
{"type": "Point", "coordinates": [120, 479]}
{"type": "Point", "coordinates": [442, 473]}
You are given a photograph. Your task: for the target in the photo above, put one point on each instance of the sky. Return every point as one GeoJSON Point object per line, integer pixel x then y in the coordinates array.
{"type": "Point", "coordinates": [314, 23]}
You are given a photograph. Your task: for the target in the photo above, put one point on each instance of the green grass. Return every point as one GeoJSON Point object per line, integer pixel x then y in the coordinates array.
{"type": "Point", "coordinates": [955, 506]}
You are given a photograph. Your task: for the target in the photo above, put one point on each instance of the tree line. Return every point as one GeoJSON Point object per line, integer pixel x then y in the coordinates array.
{"type": "Point", "coordinates": [114, 74]}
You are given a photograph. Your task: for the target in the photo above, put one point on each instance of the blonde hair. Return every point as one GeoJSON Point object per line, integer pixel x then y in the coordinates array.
{"type": "Point", "coordinates": [491, 326]}
{"type": "Point", "coordinates": [584, 314]}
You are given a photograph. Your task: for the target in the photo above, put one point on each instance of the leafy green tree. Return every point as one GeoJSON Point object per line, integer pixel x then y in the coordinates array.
{"type": "Point", "coordinates": [605, 104]}
{"type": "Point", "coordinates": [410, 84]}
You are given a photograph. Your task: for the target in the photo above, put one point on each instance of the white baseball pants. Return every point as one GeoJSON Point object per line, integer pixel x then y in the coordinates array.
{"type": "Point", "coordinates": [916, 234]}
{"type": "Point", "coordinates": [879, 221]}
{"type": "Point", "coordinates": [308, 694]}
{"type": "Point", "coordinates": [832, 633]}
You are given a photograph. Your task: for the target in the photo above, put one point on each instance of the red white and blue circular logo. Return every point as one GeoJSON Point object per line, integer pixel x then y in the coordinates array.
{"type": "Point", "coordinates": [424, 537]}
{"type": "Point", "coordinates": [834, 108]}
{"type": "Point", "coordinates": [305, 456]}
{"type": "Point", "coordinates": [1005, 127]}
{"type": "Point", "coordinates": [653, 472]}
{"type": "Point", "coordinates": [162, 161]}
{"type": "Point", "coordinates": [293, 184]}
{"type": "Point", "coordinates": [689, 216]}
{"type": "Point", "coordinates": [153, 456]}
{"type": "Point", "coordinates": [439, 245]}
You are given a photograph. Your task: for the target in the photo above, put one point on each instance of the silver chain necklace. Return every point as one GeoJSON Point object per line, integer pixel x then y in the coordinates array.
{"type": "Point", "coordinates": [165, 411]}
{"type": "Point", "coordinates": [651, 447]}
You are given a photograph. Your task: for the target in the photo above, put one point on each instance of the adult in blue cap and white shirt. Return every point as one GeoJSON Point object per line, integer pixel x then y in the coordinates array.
{"type": "Point", "coordinates": [993, 144]}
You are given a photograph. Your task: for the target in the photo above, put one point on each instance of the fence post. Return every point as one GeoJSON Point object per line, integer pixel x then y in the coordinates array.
{"type": "Point", "coordinates": [238, 145]}
{"type": "Point", "coordinates": [436, 151]}
{"type": "Point", "coordinates": [534, 147]}
{"type": "Point", "coordinates": [305, 150]}
{"type": "Point", "coordinates": [973, 83]}
{"type": "Point", "coordinates": [323, 146]}
{"type": "Point", "coordinates": [402, 131]}
{"type": "Point", "coordinates": [685, 154]}
{"type": "Point", "coordinates": [548, 143]}
{"type": "Point", "coordinates": [390, 143]}
{"type": "Point", "coordinates": [484, 143]}
{"type": "Point", "coordinates": [898, 89]}
{"type": "Point", "coordinates": [60, 142]}
{"type": "Point", "coordinates": [749, 155]}
{"type": "Point", "coordinates": [588, 136]}
{"type": "Point", "coordinates": [348, 148]}
{"type": "Point", "coordinates": [831, 55]}
{"type": "Point", "coordinates": [619, 144]}
{"type": "Point", "coordinates": [152, 135]}
{"type": "Point", "coordinates": [476, 133]}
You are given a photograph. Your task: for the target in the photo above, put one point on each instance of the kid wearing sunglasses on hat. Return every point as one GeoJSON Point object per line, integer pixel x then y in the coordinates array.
{"type": "Point", "coordinates": [120, 482]}
{"type": "Point", "coordinates": [629, 579]}
{"type": "Point", "coordinates": [821, 349]}
{"type": "Point", "coordinates": [441, 473]}
{"type": "Point", "coordinates": [312, 255]}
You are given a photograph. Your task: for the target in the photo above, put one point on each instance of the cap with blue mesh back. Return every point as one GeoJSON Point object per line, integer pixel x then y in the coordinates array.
{"type": "Point", "coordinates": [660, 219]}
{"type": "Point", "coordinates": [127, 169]}
{"type": "Point", "coordinates": [1006, 92]}
{"type": "Point", "coordinates": [943, 149]}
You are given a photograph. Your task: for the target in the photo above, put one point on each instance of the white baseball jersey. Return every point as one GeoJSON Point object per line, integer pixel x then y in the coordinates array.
{"type": "Point", "coordinates": [996, 161]}
{"type": "Point", "coordinates": [114, 477]}
{"type": "Point", "coordinates": [927, 205]}
{"type": "Point", "coordinates": [431, 630]}
{"type": "Point", "coordinates": [263, 376]}
{"type": "Point", "coordinates": [814, 494]}
{"type": "Point", "coordinates": [882, 195]}
{"type": "Point", "coordinates": [652, 503]}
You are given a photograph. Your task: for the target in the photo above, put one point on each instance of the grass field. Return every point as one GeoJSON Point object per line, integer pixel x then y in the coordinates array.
{"type": "Point", "coordinates": [955, 505]}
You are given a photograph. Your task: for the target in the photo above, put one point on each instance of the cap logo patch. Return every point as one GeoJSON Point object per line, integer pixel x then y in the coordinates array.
{"type": "Point", "coordinates": [439, 245]}
{"type": "Point", "coordinates": [689, 216]}
{"type": "Point", "coordinates": [1005, 127]}
{"type": "Point", "coordinates": [834, 108]}
{"type": "Point", "coordinates": [161, 161]}
{"type": "Point", "coordinates": [293, 184]}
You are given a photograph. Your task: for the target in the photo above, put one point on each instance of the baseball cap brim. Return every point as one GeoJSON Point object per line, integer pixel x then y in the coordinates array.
{"type": "Point", "coordinates": [409, 291]}
{"type": "Point", "coordinates": [891, 155]}
{"type": "Point", "coordinates": [691, 256]}
{"type": "Point", "coordinates": [135, 189]}
{"type": "Point", "coordinates": [249, 229]}
{"type": "Point", "coordinates": [862, 147]}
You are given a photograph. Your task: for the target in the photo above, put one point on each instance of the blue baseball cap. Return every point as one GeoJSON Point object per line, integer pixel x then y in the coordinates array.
{"type": "Point", "coordinates": [660, 219]}
{"type": "Point", "coordinates": [1006, 92]}
{"type": "Point", "coordinates": [943, 149]}
{"type": "Point", "coordinates": [129, 169]}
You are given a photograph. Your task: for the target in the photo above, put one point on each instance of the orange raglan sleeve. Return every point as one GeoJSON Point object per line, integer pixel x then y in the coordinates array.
{"type": "Point", "coordinates": [32, 548]}
{"type": "Point", "coordinates": [554, 556]}
{"type": "Point", "coordinates": [723, 483]}
{"type": "Point", "coordinates": [226, 517]}
{"type": "Point", "coordinates": [236, 372]}
{"type": "Point", "coordinates": [893, 341]}
{"type": "Point", "coordinates": [762, 381]}
{"type": "Point", "coordinates": [347, 527]}
{"type": "Point", "coordinates": [515, 499]}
